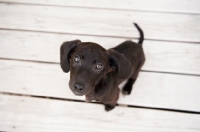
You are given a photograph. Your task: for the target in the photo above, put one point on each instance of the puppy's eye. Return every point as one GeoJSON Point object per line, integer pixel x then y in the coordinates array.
{"type": "Point", "coordinates": [76, 59]}
{"type": "Point", "coordinates": [99, 66]}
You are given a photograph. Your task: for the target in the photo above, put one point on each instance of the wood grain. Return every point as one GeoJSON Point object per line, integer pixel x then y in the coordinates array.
{"type": "Point", "coordinates": [174, 6]}
{"type": "Point", "coordinates": [26, 114]}
{"type": "Point", "coordinates": [159, 26]}
{"type": "Point", "coordinates": [160, 56]}
{"type": "Point", "coordinates": [151, 89]}
{"type": "Point", "coordinates": [107, 23]}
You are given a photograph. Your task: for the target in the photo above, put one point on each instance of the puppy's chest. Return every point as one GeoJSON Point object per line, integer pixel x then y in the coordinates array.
{"type": "Point", "coordinates": [91, 97]}
{"type": "Point", "coordinates": [95, 95]}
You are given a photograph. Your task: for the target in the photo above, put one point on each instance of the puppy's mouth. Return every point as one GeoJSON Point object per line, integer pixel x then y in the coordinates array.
{"type": "Point", "coordinates": [78, 93]}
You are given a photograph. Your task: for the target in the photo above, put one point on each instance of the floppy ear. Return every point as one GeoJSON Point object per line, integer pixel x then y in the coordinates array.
{"type": "Point", "coordinates": [122, 64]}
{"type": "Point", "coordinates": [65, 50]}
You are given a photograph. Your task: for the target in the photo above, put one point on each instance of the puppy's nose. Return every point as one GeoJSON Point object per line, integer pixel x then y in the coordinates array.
{"type": "Point", "coordinates": [78, 87]}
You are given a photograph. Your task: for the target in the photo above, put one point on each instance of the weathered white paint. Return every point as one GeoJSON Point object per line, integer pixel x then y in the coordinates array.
{"type": "Point", "coordinates": [160, 26]}
{"type": "Point", "coordinates": [174, 6]}
{"type": "Point", "coordinates": [26, 114]}
{"type": "Point", "coordinates": [160, 56]}
{"type": "Point", "coordinates": [151, 89]}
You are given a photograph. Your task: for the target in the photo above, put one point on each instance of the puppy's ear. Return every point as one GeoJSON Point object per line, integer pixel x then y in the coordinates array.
{"type": "Point", "coordinates": [121, 64]}
{"type": "Point", "coordinates": [65, 50]}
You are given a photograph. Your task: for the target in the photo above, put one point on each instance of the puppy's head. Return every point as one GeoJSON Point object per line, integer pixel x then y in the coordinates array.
{"type": "Point", "coordinates": [88, 63]}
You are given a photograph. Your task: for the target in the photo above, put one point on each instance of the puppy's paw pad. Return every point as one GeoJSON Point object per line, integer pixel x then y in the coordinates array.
{"type": "Point", "coordinates": [108, 107]}
{"type": "Point", "coordinates": [126, 92]}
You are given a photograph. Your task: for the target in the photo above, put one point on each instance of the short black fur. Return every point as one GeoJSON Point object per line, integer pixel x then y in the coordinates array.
{"type": "Point", "coordinates": [96, 72]}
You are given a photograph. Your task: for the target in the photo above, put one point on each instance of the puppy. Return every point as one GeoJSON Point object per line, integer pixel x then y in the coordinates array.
{"type": "Point", "coordinates": [96, 72]}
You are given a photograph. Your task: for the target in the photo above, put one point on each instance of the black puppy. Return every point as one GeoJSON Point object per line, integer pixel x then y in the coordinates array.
{"type": "Point", "coordinates": [97, 72]}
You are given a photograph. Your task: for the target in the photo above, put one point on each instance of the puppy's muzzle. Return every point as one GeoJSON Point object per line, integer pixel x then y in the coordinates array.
{"type": "Point", "coordinates": [78, 88]}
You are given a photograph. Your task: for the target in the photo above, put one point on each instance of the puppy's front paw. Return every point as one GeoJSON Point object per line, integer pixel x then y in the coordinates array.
{"type": "Point", "coordinates": [127, 90]}
{"type": "Point", "coordinates": [109, 107]}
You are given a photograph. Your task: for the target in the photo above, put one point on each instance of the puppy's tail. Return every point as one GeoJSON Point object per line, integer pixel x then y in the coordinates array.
{"type": "Point", "coordinates": [141, 33]}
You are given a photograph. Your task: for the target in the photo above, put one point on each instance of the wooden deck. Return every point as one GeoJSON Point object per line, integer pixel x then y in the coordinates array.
{"type": "Point", "coordinates": [34, 93]}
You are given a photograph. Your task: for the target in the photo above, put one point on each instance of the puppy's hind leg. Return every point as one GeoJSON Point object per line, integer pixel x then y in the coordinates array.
{"type": "Point", "coordinates": [128, 86]}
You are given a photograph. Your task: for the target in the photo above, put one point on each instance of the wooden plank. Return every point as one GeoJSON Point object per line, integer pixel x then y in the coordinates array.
{"type": "Point", "coordinates": [178, 6]}
{"type": "Point", "coordinates": [26, 114]}
{"type": "Point", "coordinates": [151, 89]}
{"type": "Point", "coordinates": [160, 26]}
{"type": "Point", "coordinates": [160, 56]}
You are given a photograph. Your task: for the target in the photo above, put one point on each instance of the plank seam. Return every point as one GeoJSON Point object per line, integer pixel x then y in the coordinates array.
{"type": "Point", "coordinates": [118, 105]}
{"type": "Point", "coordinates": [105, 36]}
{"type": "Point", "coordinates": [56, 63]}
{"type": "Point", "coordinates": [165, 109]}
{"type": "Point", "coordinates": [97, 8]}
